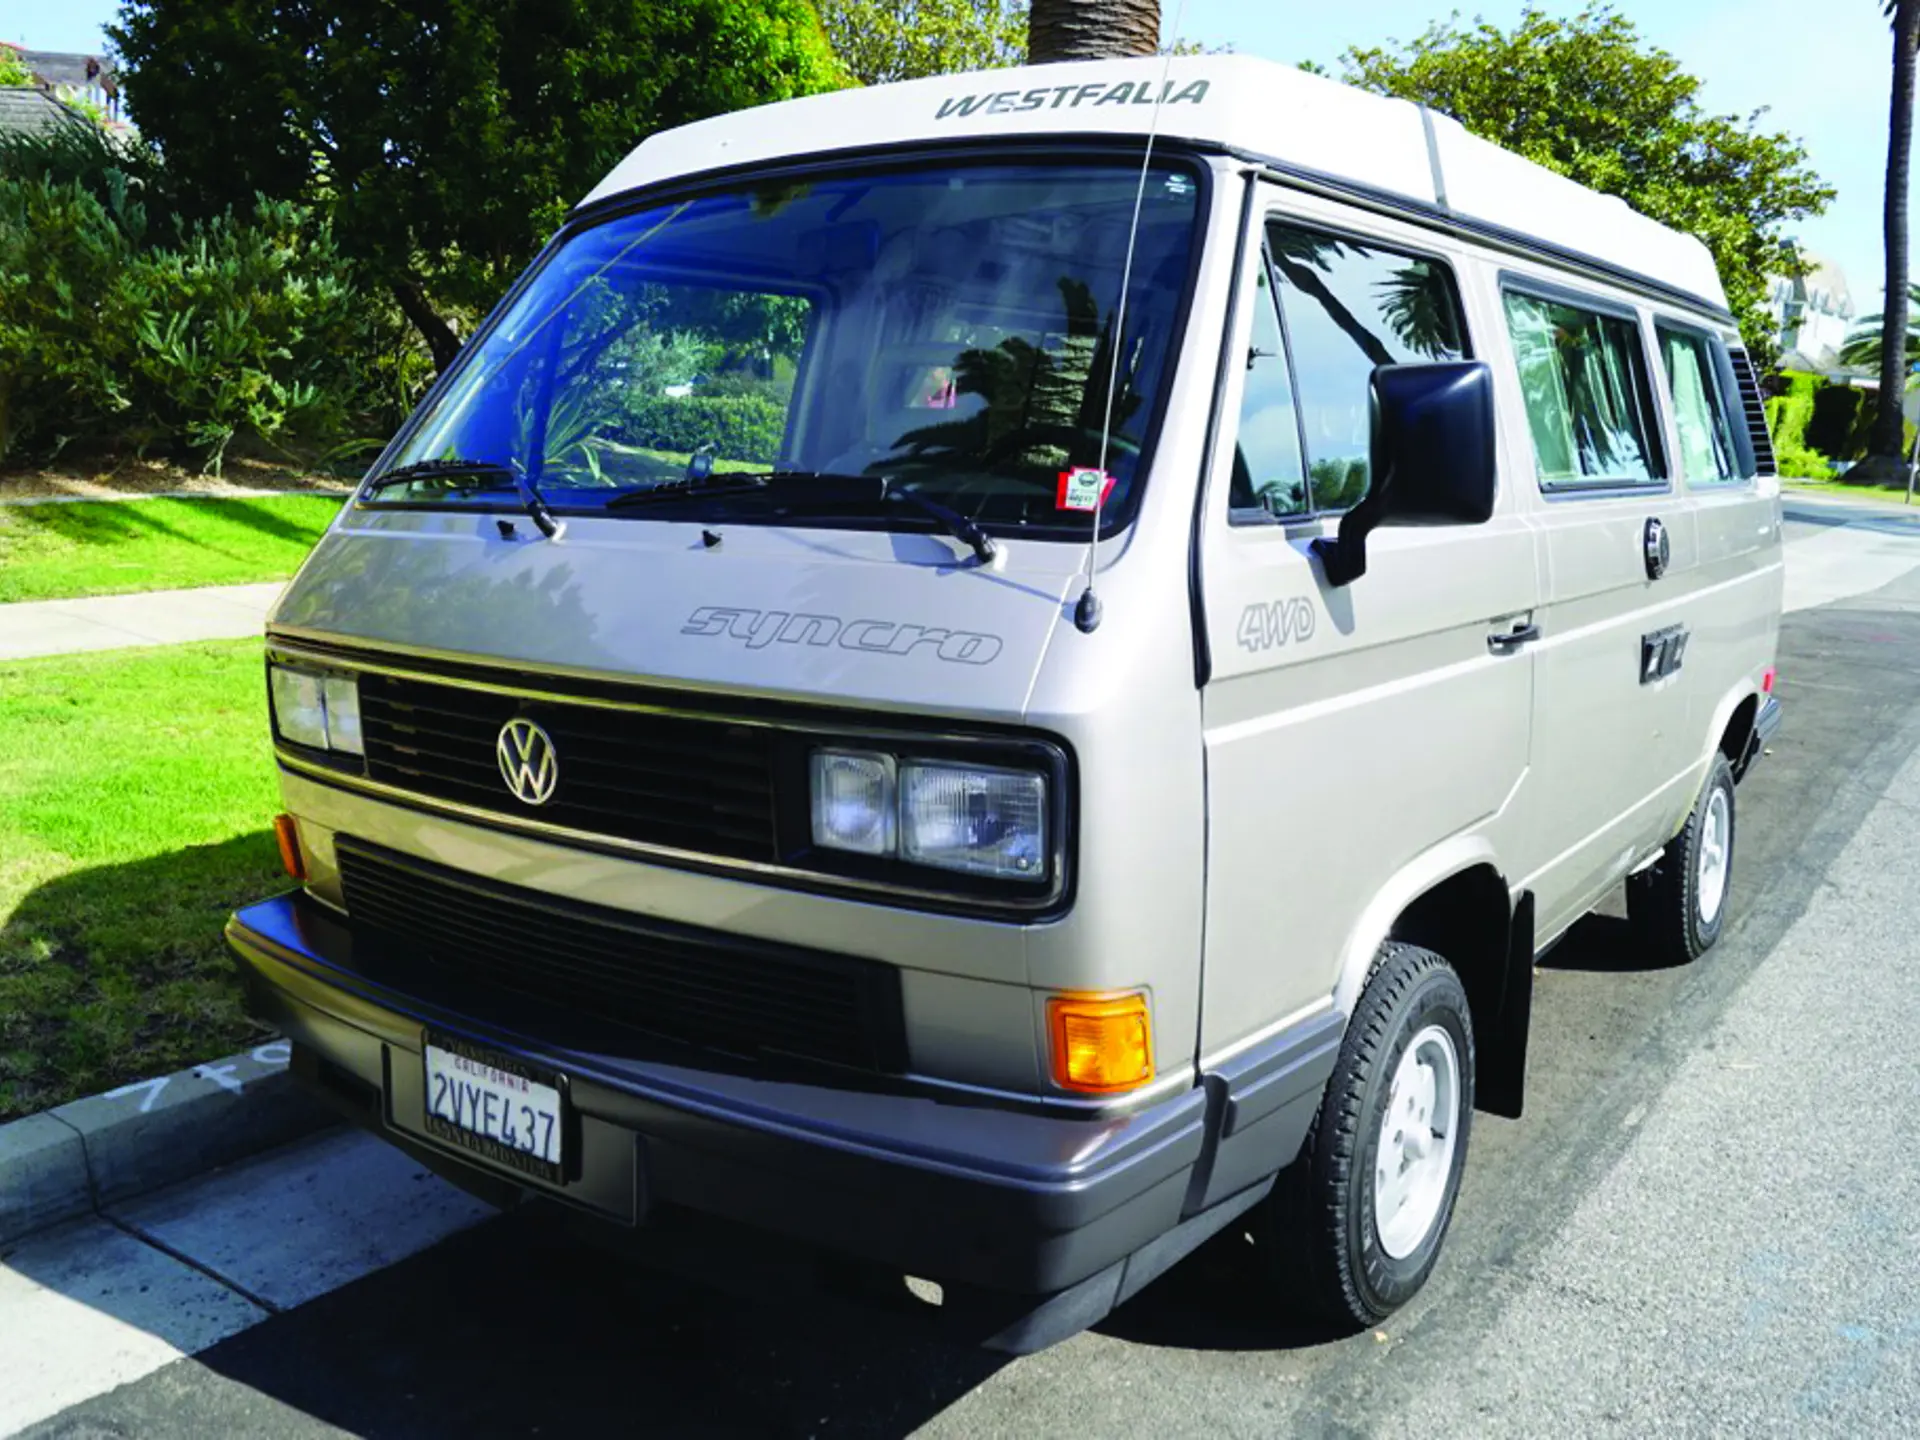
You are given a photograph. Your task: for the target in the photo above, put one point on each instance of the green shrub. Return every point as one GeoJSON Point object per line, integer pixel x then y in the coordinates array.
{"type": "Point", "coordinates": [738, 427]}
{"type": "Point", "coordinates": [1835, 428]}
{"type": "Point", "coordinates": [249, 325]}
{"type": "Point", "coordinates": [61, 369]}
{"type": "Point", "coordinates": [122, 173]}
{"type": "Point", "coordinates": [1788, 416]}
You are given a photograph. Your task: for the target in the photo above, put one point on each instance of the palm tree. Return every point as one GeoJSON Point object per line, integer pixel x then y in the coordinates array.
{"type": "Point", "coordinates": [1097, 29]}
{"type": "Point", "coordinates": [1866, 342]}
{"type": "Point", "coordinates": [1884, 458]}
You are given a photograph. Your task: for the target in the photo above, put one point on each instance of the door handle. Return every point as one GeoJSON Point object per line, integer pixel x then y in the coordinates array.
{"type": "Point", "coordinates": [1505, 642]}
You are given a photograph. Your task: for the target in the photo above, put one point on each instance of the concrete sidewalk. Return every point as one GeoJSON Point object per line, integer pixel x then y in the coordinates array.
{"type": "Point", "coordinates": [155, 617]}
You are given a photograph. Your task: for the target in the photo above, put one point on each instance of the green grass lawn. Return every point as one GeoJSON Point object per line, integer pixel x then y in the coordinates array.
{"type": "Point", "coordinates": [136, 802]}
{"type": "Point", "coordinates": [109, 547]}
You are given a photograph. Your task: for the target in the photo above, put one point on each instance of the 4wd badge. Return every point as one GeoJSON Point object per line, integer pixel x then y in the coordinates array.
{"type": "Point", "coordinates": [1270, 625]}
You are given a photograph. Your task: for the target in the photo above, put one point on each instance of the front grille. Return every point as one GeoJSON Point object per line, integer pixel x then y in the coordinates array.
{"type": "Point", "coordinates": [697, 987]}
{"type": "Point", "coordinates": [1755, 408]}
{"type": "Point", "coordinates": [698, 785]}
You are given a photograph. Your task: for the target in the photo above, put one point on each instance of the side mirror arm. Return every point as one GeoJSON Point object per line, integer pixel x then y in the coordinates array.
{"type": "Point", "coordinates": [1343, 557]}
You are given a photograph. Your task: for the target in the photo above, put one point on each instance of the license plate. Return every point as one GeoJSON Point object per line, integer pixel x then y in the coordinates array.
{"type": "Point", "coordinates": [498, 1106]}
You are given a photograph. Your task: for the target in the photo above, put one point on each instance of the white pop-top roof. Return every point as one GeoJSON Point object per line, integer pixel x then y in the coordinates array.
{"type": "Point", "coordinates": [1301, 120]}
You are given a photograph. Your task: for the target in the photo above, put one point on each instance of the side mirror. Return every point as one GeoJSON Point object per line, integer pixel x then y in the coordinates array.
{"type": "Point", "coordinates": [1433, 458]}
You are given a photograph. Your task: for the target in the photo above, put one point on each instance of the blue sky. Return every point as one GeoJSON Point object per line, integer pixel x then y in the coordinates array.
{"type": "Point", "coordinates": [1822, 71]}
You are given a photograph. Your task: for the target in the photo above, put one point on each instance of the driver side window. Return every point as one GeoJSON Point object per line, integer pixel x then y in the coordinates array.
{"type": "Point", "coordinates": [1348, 307]}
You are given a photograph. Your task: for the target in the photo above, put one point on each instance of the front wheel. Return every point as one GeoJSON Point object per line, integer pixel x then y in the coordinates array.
{"type": "Point", "coordinates": [1356, 1223]}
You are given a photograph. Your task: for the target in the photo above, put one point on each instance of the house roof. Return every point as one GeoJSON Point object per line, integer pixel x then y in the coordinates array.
{"type": "Point", "coordinates": [57, 67]}
{"type": "Point", "coordinates": [29, 111]}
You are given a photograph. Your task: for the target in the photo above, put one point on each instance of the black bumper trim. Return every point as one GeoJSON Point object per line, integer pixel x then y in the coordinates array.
{"type": "Point", "coordinates": [999, 1198]}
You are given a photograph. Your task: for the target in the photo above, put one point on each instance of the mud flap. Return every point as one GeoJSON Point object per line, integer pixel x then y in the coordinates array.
{"type": "Point", "coordinates": [1500, 1079]}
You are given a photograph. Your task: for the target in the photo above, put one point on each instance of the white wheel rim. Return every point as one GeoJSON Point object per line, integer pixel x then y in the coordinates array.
{"type": "Point", "coordinates": [1716, 845]}
{"type": "Point", "coordinates": [1414, 1156]}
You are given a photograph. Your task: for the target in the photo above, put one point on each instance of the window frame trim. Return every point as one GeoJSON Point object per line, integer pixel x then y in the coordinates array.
{"type": "Point", "coordinates": [1513, 282]}
{"type": "Point", "coordinates": [1721, 368]}
{"type": "Point", "coordinates": [1260, 518]}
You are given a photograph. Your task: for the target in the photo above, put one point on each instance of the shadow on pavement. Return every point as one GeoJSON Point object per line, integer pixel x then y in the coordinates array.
{"type": "Point", "coordinates": [1604, 944]}
{"type": "Point", "coordinates": [515, 1328]}
{"type": "Point", "coordinates": [1836, 515]}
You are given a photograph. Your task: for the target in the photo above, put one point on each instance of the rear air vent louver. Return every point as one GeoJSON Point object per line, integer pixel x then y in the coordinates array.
{"type": "Point", "coordinates": [1756, 411]}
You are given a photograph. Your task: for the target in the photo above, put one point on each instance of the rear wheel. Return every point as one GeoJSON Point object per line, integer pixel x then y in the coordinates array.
{"type": "Point", "coordinates": [1356, 1224]}
{"type": "Point", "coordinates": [1678, 905]}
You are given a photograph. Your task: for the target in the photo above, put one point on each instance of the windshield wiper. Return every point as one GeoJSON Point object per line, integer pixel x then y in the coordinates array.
{"type": "Point", "coordinates": [473, 471]}
{"type": "Point", "coordinates": [823, 490]}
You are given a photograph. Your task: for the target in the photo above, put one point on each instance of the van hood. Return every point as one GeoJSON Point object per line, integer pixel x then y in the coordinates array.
{"type": "Point", "coordinates": [878, 619]}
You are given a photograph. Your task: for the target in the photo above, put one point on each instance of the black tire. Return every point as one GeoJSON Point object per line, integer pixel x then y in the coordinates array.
{"type": "Point", "coordinates": [1320, 1226]}
{"type": "Point", "coordinates": [1664, 901]}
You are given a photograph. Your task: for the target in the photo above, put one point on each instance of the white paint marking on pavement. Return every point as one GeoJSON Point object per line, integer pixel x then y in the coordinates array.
{"type": "Point", "coordinates": [274, 1052]}
{"type": "Point", "coordinates": [295, 1224]}
{"type": "Point", "coordinates": [86, 1308]}
{"type": "Point", "coordinates": [152, 1089]}
{"type": "Point", "coordinates": [221, 1075]}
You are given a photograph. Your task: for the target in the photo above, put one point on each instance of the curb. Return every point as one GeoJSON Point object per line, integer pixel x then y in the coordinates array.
{"type": "Point", "coordinates": [87, 1154]}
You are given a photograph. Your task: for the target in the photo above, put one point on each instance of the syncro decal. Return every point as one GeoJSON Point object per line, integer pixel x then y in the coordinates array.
{"type": "Point", "coordinates": [1072, 97]}
{"type": "Point", "coordinates": [1267, 626]}
{"type": "Point", "coordinates": [757, 629]}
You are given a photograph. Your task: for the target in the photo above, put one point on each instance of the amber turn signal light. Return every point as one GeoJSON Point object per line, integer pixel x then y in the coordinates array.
{"type": "Point", "coordinates": [287, 831]}
{"type": "Point", "coordinates": [1102, 1044]}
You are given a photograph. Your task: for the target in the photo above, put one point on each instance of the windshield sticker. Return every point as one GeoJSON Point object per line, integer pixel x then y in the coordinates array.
{"type": "Point", "coordinates": [760, 628]}
{"type": "Point", "coordinates": [1072, 97]}
{"type": "Point", "coordinates": [1082, 487]}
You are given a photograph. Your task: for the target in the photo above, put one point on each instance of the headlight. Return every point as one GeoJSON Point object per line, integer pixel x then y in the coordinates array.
{"type": "Point", "coordinates": [853, 801]}
{"type": "Point", "coordinates": [969, 818]}
{"type": "Point", "coordinates": [979, 821]}
{"type": "Point", "coordinates": [321, 712]}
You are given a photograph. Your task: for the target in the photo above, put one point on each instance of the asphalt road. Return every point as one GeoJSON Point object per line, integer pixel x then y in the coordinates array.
{"type": "Point", "coordinates": [1704, 1225]}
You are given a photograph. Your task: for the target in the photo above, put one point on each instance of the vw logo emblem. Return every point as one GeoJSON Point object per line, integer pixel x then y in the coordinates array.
{"type": "Point", "coordinates": [527, 761]}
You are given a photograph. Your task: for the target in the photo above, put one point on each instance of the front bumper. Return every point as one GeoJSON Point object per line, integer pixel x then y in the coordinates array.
{"type": "Point", "coordinates": [982, 1194]}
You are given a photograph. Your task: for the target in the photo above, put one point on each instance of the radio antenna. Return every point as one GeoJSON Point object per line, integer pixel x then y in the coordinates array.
{"type": "Point", "coordinates": [1086, 613]}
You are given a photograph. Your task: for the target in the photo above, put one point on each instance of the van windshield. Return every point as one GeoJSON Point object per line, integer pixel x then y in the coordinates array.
{"type": "Point", "coordinates": [949, 329]}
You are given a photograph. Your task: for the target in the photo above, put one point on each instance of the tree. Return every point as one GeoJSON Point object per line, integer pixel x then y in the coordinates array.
{"type": "Point", "coordinates": [1092, 29]}
{"type": "Point", "coordinates": [13, 70]}
{"type": "Point", "coordinates": [1885, 460]}
{"type": "Point", "coordinates": [881, 41]}
{"type": "Point", "coordinates": [443, 139]}
{"type": "Point", "coordinates": [1867, 343]}
{"type": "Point", "coordinates": [1588, 98]}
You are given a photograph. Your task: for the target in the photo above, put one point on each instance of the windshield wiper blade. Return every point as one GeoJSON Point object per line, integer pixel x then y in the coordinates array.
{"type": "Point", "coordinates": [823, 489]}
{"type": "Point", "coordinates": [963, 528]}
{"type": "Point", "coordinates": [475, 471]}
{"type": "Point", "coordinates": [692, 487]}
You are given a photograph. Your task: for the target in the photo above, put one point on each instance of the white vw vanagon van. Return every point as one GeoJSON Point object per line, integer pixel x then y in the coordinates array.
{"type": "Point", "coordinates": [991, 676]}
